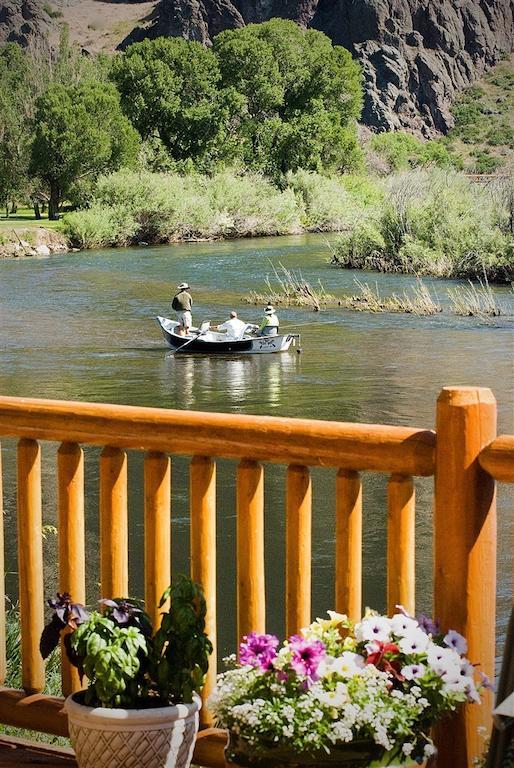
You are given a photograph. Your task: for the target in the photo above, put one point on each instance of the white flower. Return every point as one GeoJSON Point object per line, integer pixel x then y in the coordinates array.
{"type": "Point", "coordinates": [442, 660]}
{"type": "Point", "coordinates": [373, 628]}
{"type": "Point", "coordinates": [407, 748]}
{"type": "Point", "coordinates": [347, 664]}
{"type": "Point", "coordinates": [429, 750]}
{"type": "Point", "coordinates": [401, 624]}
{"type": "Point", "coordinates": [413, 671]}
{"type": "Point", "coordinates": [456, 641]}
{"type": "Point", "coordinates": [414, 642]}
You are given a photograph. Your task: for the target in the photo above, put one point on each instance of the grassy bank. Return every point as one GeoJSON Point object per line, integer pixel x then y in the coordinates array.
{"type": "Point", "coordinates": [435, 223]}
{"type": "Point", "coordinates": [424, 222]}
{"type": "Point", "coordinates": [130, 207]}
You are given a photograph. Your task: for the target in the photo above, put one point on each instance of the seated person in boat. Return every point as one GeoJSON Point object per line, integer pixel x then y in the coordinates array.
{"type": "Point", "coordinates": [234, 327]}
{"type": "Point", "coordinates": [182, 304]}
{"type": "Point", "coordinates": [269, 324]}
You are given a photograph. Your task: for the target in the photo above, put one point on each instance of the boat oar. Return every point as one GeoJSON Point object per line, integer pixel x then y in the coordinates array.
{"type": "Point", "coordinates": [203, 330]}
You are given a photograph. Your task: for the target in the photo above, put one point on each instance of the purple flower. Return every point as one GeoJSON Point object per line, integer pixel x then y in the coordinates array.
{"type": "Point", "coordinates": [485, 682]}
{"type": "Point", "coordinates": [456, 641]}
{"type": "Point", "coordinates": [306, 656]}
{"type": "Point", "coordinates": [428, 625]}
{"type": "Point", "coordinates": [258, 650]}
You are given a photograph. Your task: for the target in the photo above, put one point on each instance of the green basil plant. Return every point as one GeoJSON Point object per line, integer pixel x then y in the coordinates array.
{"type": "Point", "coordinates": [127, 662]}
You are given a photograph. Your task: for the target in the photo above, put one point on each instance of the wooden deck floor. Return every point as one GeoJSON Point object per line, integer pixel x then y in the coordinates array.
{"type": "Point", "coordinates": [20, 752]}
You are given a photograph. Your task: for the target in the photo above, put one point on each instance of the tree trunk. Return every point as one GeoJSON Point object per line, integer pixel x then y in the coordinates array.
{"type": "Point", "coordinates": [53, 204]}
{"type": "Point", "coordinates": [37, 211]}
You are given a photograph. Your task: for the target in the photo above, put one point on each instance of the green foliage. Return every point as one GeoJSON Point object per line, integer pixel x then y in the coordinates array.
{"type": "Point", "coordinates": [54, 13]}
{"type": "Point", "coordinates": [327, 204]}
{"type": "Point", "coordinates": [403, 151]}
{"type": "Point", "coordinates": [300, 97]}
{"type": "Point", "coordinates": [111, 658]}
{"type": "Point", "coordinates": [130, 206]}
{"type": "Point", "coordinates": [170, 87]}
{"type": "Point", "coordinates": [14, 130]}
{"type": "Point", "coordinates": [433, 223]}
{"type": "Point", "coordinates": [80, 132]}
{"type": "Point", "coordinates": [126, 664]}
{"type": "Point", "coordinates": [181, 649]}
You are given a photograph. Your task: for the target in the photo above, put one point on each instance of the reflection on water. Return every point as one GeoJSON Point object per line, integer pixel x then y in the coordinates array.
{"type": "Point", "coordinates": [82, 327]}
{"type": "Point", "coordinates": [186, 381]}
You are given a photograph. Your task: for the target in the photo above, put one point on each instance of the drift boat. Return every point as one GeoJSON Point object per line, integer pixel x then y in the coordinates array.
{"type": "Point", "coordinates": [211, 342]}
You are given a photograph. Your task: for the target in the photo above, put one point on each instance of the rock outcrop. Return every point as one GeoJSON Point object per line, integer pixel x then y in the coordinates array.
{"type": "Point", "coordinates": [416, 54]}
{"type": "Point", "coordinates": [24, 22]}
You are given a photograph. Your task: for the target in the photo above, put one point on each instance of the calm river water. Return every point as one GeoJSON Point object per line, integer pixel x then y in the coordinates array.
{"type": "Point", "coordinates": [81, 327]}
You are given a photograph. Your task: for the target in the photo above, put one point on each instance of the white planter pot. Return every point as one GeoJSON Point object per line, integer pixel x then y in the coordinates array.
{"type": "Point", "coordinates": [162, 737]}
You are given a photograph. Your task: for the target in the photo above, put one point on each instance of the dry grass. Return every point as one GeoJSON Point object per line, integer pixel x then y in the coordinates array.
{"type": "Point", "coordinates": [476, 301]}
{"type": "Point", "coordinates": [419, 302]}
{"type": "Point", "coordinates": [292, 291]}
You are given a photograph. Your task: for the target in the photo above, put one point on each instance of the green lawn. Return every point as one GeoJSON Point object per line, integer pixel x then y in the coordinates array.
{"type": "Point", "coordinates": [24, 218]}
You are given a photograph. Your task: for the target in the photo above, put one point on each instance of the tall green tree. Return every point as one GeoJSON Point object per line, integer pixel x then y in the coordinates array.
{"type": "Point", "coordinates": [80, 132]}
{"type": "Point", "coordinates": [302, 96]}
{"type": "Point", "coordinates": [170, 89]}
{"type": "Point", "coordinates": [14, 122]}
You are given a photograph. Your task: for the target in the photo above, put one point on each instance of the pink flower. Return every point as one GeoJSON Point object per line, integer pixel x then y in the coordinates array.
{"type": "Point", "coordinates": [306, 656]}
{"type": "Point", "coordinates": [258, 650]}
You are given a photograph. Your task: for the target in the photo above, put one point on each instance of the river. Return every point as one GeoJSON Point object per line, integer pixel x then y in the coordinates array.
{"type": "Point", "coordinates": [81, 327]}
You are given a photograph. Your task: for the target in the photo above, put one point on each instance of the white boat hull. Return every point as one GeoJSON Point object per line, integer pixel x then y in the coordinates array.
{"type": "Point", "coordinates": [211, 342]}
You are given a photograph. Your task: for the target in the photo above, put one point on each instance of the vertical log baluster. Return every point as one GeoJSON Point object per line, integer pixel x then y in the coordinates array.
{"type": "Point", "coordinates": [3, 663]}
{"type": "Point", "coordinates": [30, 563]}
{"type": "Point", "coordinates": [113, 523]}
{"type": "Point", "coordinates": [298, 548]}
{"type": "Point", "coordinates": [349, 544]}
{"type": "Point", "coordinates": [203, 553]}
{"type": "Point", "coordinates": [401, 518]}
{"type": "Point", "coordinates": [72, 556]}
{"type": "Point", "coordinates": [157, 531]}
{"type": "Point", "coordinates": [465, 552]}
{"type": "Point", "coordinates": [251, 605]}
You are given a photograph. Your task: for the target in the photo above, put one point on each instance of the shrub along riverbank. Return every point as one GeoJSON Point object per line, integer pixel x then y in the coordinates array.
{"type": "Point", "coordinates": [419, 222]}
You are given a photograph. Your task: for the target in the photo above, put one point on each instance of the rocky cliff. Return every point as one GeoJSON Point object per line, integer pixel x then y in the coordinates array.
{"type": "Point", "coordinates": [415, 54]}
{"type": "Point", "coordinates": [24, 22]}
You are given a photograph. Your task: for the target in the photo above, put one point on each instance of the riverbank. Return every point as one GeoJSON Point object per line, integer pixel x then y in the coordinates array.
{"type": "Point", "coordinates": [420, 222]}
{"type": "Point", "coordinates": [21, 242]}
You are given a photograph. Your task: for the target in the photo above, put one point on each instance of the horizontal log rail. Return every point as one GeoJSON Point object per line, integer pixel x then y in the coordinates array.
{"type": "Point", "coordinates": [497, 459]}
{"type": "Point", "coordinates": [376, 448]}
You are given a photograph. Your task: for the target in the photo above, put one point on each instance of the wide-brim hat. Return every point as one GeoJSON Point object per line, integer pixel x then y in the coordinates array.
{"type": "Point", "coordinates": [183, 286]}
{"type": "Point", "coordinates": [269, 310]}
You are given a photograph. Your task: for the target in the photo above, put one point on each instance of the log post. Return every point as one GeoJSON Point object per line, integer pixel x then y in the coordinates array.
{"type": "Point", "coordinates": [401, 523]}
{"type": "Point", "coordinates": [72, 557]}
{"type": "Point", "coordinates": [465, 552]}
{"type": "Point", "coordinates": [298, 548]}
{"type": "Point", "coordinates": [202, 486]}
{"type": "Point", "coordinates": [349, 544]}
{"type": "Point", "coordinates": [251, 602]}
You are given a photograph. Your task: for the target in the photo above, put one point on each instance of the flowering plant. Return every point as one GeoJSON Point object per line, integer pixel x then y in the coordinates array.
{"type": "Point", "coordinates": [382, 680]}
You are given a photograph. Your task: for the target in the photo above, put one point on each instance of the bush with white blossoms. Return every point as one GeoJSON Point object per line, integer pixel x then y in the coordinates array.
{"type": "Point", "coordinates": [384, 680]}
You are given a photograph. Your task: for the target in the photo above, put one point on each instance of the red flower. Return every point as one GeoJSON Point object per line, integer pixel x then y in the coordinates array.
{"type": "Point", "coordinates": [382, 656]}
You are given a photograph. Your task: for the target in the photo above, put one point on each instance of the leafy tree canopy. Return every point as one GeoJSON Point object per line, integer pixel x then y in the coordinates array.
{"type": "Point", "coordinates": [169, 88]}
{"type": "Point", "coordinates": [80, 131]}
{"type": "Point", "coordinates": [302, 95]}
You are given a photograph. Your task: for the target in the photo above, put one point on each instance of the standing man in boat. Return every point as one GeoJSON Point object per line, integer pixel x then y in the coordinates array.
{"type": "Point", "coordinates": [182, 304]}
{"type": "Point", "coordinates": [269, 324]}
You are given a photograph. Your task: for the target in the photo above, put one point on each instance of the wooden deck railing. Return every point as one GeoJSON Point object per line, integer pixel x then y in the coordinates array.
{"type": "Point", "coordinates": [464, 455]}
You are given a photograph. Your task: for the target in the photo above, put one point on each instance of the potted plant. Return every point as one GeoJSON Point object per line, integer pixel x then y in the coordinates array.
{"type": "Point", "coordinates": [141, 705]}
{"type": "Point", "coordinates": [343, 694]}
